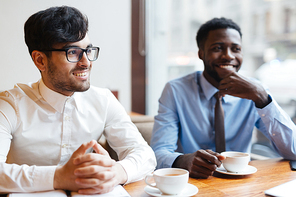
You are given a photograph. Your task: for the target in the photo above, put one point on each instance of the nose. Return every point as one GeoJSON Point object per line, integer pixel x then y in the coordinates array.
{"type": "Point", "coordinates": [84, 62]}
{"type": "Point", "coordinates": [228, 54]}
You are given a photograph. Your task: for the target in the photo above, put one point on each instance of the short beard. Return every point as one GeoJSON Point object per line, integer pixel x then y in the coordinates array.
{"type": "Point", "coordinates": [62, 85]}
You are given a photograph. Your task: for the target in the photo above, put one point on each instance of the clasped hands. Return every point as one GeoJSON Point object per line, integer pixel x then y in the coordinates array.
{"type": "Point", "coordinates": [90, 173]}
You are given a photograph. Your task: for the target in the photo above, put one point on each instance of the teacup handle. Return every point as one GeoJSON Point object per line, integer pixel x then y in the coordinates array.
{"type": "Point", "coordinates": [150, 184]}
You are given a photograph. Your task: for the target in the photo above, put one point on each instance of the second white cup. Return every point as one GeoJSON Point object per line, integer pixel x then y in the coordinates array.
{"type": "Point", "coordinates": [235, 161]}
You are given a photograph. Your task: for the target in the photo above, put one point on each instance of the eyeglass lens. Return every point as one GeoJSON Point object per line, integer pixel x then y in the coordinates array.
{"type": "Point", "coordinates": [75, 54]}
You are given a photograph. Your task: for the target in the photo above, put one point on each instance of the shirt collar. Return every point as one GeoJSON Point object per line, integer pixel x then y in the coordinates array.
{"type": "Point", "coordinates": [77, 101]}
{"type": "Point", "coordinates": [210, 90]}
{"type": "Point", "coordinates": [55, 99]}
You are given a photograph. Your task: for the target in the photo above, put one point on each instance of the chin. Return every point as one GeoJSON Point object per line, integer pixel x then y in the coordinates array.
{"type": "Point", "coordinates": [83, 89]}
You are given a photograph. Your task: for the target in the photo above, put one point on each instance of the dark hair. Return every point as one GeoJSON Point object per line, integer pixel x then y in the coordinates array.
{"type": "Point", "coordinates": [54, 25]}
{"type": "Point", "coordinates": [215, 23]}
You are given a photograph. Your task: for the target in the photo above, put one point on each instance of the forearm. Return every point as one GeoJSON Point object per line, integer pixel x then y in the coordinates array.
{"type": "Point", "coordinates": [24, 178]}
{"type": "Point", "coordinates": [261, 99]}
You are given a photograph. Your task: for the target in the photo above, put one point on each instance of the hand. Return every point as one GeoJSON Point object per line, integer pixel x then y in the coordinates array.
{"type": "Point", "coordinates": [64, 177]}
{"type": "Point", "coordinates": [200, 164]}
{"type": "Point", "coordinates": [242, 87]}
{"type": "Point", "coordinates": [97, 172]}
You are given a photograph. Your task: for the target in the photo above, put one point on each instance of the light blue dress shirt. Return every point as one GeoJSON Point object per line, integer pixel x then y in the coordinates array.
{"type": "Point", "coordinates": [185, 121]}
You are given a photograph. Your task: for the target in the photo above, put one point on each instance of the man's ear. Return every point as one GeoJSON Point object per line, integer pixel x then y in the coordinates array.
{"type": "Point", "coordinates": [200, 54]}
{"type": "Point", "coordinates": [40, 60]}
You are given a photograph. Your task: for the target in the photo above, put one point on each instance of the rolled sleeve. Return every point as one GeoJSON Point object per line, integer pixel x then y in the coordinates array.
{"type": "Point", "coordinates": [280, 129]}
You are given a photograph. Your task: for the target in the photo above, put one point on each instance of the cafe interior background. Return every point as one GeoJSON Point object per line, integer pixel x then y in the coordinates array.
{"type": "Point", "coordinates": [157, 38]}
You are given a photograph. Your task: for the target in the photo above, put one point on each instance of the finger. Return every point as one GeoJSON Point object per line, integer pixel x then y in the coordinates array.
{"type": "Point", "coordinates": [94, 159]}
{"type": "Point", "coordinates": [101, 188]}
{"type": "Point", "coordinates": [90, 170]}
{"type": "Point", "coordinates": [209, 156]}
{"type": "Point", "coordinates": [223, 92]}
{"type": "Point", "coordinates": [84, 147]}
{"type": "Point", "coordinates": [102, 176]}
{"type": "Point", "coordinates": [100, 150]}
{"type": "Point", "coordinates": [107, 175]}
{"type": "Point", "coordinates": [212, 152]}
{"type": "Point", "coordinates": [200, 172]}
{"type": "Point", "coordinates": [223, 86]}
{"type": "Point", "coordinates": [223, 82]}
{"type": "Point", "coordinates": [215, 153]}
{"type": "Point", "coordinates": [87, 182]}
{"type": "Point", "coordinates": [198, 161]}
{"type": "Point", "coordinates": [226, 79]}
{"type": "Point", "coordinates": [221, 157]}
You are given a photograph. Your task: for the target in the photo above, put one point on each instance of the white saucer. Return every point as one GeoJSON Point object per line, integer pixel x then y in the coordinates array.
{"type": "Point", "coordinates": [249, 170]}
{"type": "Point", "coordinates": [189, 190]}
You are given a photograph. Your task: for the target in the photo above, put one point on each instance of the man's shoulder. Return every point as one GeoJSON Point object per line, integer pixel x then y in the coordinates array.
{"type": "Point", "coordinates": [20, 90]}
{"type": "Point", "coordinates": [187, 80]}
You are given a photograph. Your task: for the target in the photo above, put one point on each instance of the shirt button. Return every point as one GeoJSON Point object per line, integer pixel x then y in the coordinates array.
{"type": "Point", "coordinates": [263, 115]}
{"type": "Point", "coordinates": [67, 118]}
{"type": "Point", "coordinates": [273, 134]}
{"type": "Point", "coordinates": [64, 145]}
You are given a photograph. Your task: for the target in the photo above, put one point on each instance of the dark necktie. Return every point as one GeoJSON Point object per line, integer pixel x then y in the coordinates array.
{"type": "Point", "coordinates": [219, 125]}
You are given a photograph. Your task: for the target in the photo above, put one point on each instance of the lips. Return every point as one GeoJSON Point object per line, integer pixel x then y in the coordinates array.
{"type": "Point", "coordinates": [227, 67]}
{"type": "Point", "coordinates": [223, 70]}
{"type": "Point", "coordinates": [80, 74]}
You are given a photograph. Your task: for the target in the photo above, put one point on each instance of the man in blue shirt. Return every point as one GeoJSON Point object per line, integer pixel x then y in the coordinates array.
{"type": "Point", "coordinates": [184, 134]}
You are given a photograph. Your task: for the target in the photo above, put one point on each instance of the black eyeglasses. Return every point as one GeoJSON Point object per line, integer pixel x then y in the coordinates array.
{"type": "Point", "coordinates": [74, 54]}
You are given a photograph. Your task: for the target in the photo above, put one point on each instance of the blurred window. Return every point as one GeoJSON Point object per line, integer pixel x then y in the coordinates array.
{"type": "Point", "coordinates": [269, 43]}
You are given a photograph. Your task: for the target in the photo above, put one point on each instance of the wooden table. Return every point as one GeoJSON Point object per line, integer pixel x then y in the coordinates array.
{"type": "Point", "coordinates": [271, 172]}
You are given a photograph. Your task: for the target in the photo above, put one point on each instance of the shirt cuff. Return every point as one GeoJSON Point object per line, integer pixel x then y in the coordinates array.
{"type": "Point", "coordinates": [169, 160]}
{"type": "Point", "coordinates": [43, 178]}
{"type": "Point", "coordinates": [129, 169]}
{"type": "Point", "coordinates": [271, 112]}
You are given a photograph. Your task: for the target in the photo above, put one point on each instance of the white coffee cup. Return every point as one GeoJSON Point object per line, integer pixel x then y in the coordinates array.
{"type": "Point", "coordinates": [169, 180]}
{"type": "Point", "coordinates": [235, 161]}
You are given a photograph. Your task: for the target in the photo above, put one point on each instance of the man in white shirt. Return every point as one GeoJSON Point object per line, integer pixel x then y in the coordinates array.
{"type": "Point", "coordinates": [49, 129]}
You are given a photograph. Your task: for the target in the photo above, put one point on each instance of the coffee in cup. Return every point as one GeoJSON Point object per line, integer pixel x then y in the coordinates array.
{"type": "Point", "coordinates": [235, 161]}
{"type": "Point", "coordinates": [169, 180]}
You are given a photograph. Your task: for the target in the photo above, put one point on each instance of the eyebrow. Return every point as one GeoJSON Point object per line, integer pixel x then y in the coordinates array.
{"type": "Point", "coordinates": [222, 43]}
{"type": "Point", "coordinates": [72, 45]}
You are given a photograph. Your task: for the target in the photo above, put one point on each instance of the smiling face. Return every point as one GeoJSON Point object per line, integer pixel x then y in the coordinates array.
{"type": "Point", "coordinates": [63, 76]}
{"type": "Point", "coordinates": [221, 54]}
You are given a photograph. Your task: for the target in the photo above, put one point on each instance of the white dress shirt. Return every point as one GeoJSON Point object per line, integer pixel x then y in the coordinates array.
{"type": "Point", "coordinates": [40, 129]}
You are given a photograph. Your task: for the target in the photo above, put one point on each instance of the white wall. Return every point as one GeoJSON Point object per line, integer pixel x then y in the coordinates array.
{"type": "Point", "coordinates": [109, 28]}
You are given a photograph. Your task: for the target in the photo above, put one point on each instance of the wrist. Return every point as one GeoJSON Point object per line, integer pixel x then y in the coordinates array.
{"type": "Point", "coordinates": [263, 101]}
{"type": "Point", "coordinates": [178, 162]}
{"type": "Point", "coordinates": [57, 178]}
